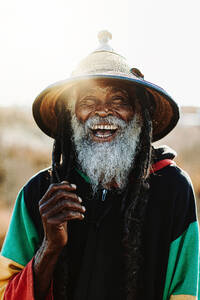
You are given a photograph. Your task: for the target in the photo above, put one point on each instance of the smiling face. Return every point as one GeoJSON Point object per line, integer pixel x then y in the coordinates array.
{"type": "Point", "coordinates": [105, 132]}
{"type": "Point", "coordinates": [102, 101]}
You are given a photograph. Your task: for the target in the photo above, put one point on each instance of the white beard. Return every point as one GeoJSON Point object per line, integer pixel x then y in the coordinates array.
{"type": "Point", "coordinates": [111, 161]}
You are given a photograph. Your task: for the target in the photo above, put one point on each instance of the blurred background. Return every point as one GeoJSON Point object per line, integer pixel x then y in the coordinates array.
{"type": "Point", "coordinates": [41, 43]}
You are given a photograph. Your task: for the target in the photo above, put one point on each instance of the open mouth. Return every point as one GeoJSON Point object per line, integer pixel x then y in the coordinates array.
{"type": "Point", "coordinates": [103, 132]}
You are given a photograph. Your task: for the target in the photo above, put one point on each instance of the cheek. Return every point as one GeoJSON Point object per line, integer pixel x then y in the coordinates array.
{"type": "Point", "coordinates": [81, 113]}
{"type": "Point", "coordinates": [127, 114]}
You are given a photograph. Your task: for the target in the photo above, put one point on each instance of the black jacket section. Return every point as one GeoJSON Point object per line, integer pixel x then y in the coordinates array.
{"type": "Point", "coordinates": [170, 210]}
{"type": "Point", "coordinates": [163, 152]}
{"type": "Point", "coordinates": [33, 192]}
{"type": "Point", "coordinates": [95, 250]}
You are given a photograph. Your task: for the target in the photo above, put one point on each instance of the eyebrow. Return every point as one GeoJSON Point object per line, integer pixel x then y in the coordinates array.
{"type": "Point", "coordinates": [88, 95]}
{"type": "Point", "coordinates": [117, 90]}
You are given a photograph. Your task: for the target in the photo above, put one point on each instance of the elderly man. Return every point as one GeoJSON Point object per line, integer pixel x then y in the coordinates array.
{"type": "Point", "coordinates": [113, 218]}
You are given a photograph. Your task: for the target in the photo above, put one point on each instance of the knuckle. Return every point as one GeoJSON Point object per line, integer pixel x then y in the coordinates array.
{"type": "Point", "coordinates": [68, 213]}
{"type": "Point", "coordinates": [67, 196]}
{"type": "Point", "coordinates": [40, 210]}
{"type": "Point", "coordinates": [68, 204]}
{"type": "Point", "coordinates": [44, 217]}
{"type": "Point", "coordinates": [51, 186]}
{"type": "Point", "coordinates": [74, 214]}
{"type": "Point", "coordinates": [77, 198]}
{"type": "Point", "coordinates": [73, 197]}
{"type": "Point", "coordinates": [58, 194]}
{"type": "Point", "coordinates": [71, 214]}
{"type": "Point", "coordinates": [72, 205]}
{"type": "Point", "coordinates": [40, 202]}
{"type": "Point", "coordinates": [42, 199]}
{"type": "Point", "coordinates": [65, 182]}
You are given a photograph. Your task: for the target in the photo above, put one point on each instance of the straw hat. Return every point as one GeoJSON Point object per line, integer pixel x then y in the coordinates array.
{"type": "Point", "coordinates": [108, 66]}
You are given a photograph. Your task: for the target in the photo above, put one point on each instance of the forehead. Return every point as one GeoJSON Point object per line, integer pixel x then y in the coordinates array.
{"type": "Point", "coordinates": [98, 88]}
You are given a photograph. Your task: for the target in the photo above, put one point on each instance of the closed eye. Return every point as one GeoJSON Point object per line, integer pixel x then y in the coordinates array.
{"type": "Point", "coordinates": [87, 102]}
{"type": "Point", "coordinates": [120, 100]}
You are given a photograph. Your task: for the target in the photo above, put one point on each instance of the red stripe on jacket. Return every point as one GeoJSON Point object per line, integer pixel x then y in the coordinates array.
{"type": "Point", "coordinates": [21, 286]}
{"type": "Point", "coordinates": [161, 164]}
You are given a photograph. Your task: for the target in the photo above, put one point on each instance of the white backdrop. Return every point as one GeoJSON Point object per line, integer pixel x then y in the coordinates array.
{"type": "Point", "coordinates": [42, 41]}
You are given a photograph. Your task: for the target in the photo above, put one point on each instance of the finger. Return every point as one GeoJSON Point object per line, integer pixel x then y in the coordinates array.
{"type": "Point", "coordinates": [58, 186]}
{"type": "Point", "coordinates": [57, 197]}
{"type": "Point", "coordinates": [63, 218]}
{"type": "Point", "coordinates": [68, 183]}
{"type": "Point", "coordinates": [63, 206]}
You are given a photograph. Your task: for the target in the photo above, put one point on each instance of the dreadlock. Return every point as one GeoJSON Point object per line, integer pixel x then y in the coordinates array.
{"type": "Point", "coordinates": [135, 199]}
{"type": "Point", "coordinates": [62, 161]}
{"type": "Point", "coordinates": [136, 203]}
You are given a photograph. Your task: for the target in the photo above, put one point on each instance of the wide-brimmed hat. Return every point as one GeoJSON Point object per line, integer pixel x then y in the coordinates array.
{"type": "Point", "coordinates": [109, 67]}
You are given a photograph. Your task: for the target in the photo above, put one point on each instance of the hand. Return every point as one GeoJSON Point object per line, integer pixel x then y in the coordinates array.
{"type": "Point", "coordinates": [59, 205]}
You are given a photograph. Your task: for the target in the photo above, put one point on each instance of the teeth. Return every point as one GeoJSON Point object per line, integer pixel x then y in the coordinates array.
{"type": "Point", "coordinates": [103, 135]}
{"type": "Point", "coordinates": [104, 127]}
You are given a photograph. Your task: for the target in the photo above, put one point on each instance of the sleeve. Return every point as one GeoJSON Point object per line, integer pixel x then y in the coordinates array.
{"type": "Point", "coordinates": [21, 285]}
{"type": "Point", "coordinates": [16, 259]}
{"type": "Point", "coordinates": [182, 277]}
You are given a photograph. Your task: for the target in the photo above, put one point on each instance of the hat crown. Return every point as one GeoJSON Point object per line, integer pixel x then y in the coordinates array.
{"type": "Point", "coordinates": [103, 60]}
{"type": "Point", "coordinates": [104, 37]}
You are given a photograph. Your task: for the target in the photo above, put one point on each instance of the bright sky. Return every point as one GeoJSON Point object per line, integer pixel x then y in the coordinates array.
{"type": "Point", "coordinates": [43, 40]}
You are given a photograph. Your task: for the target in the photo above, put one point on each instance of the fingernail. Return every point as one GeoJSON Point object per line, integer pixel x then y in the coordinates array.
{"type": "Point", "coordinates": [82, 216]}
{"type": "Point", "coordinates": [83, 207]}
{"type": "Point", "coordinates": [73, 186]}
{"type": "Point", "coordinates": [80, 200]}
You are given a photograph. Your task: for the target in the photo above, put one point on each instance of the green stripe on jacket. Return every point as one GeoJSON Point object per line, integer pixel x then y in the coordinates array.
{"type": "Point", "coordinates": [182, 270]}
{"type": "Point", "coordinates": [22, 239]}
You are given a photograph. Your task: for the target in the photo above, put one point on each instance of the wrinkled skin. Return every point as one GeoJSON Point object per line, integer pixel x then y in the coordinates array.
{"type": "Point", "coordinates": [60, 204]}
{"type": "Point", "coordinates": [103, 101]}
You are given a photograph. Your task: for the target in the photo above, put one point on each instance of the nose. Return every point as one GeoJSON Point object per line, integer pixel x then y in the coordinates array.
{"type": "Point", "coordinates": [103, 110]}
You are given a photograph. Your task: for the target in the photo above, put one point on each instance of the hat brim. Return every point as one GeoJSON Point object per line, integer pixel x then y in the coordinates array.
{"type": "Point", "coordinates": [164, 116]}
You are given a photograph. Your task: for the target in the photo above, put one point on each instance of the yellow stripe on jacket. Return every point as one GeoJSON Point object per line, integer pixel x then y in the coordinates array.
{"type": "Point", "coordinates": [7, 269]}
{"type": "Point", "coordinates": [183, 297]}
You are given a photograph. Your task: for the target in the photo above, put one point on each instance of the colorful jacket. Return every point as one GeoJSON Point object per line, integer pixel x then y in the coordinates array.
{"type": "Point", "coordinates": [171, 238]}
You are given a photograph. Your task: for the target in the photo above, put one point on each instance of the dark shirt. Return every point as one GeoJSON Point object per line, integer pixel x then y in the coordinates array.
{"type": "Point", "coordinates": [95, 250]}
{"type": "Point", "coordinates": [95, 247]}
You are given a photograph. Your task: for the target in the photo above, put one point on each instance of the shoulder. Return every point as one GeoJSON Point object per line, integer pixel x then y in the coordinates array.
{"type": "Point", "coordinates": [39, 182]}
{"type": "Point", "coordinates": [36, 187]}
{"type": "Point", "coordinates": [169, 173]}
{"type": "Point", "coordinates": [172, 187]}
{"type": "Point", "coordinates": [172, 177]}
